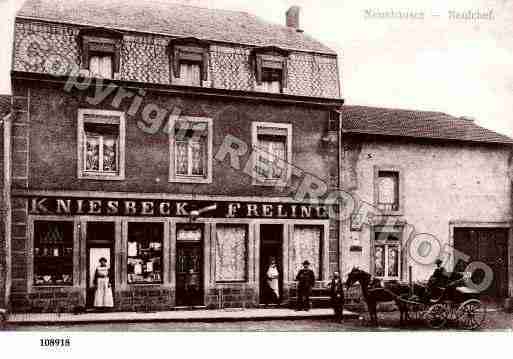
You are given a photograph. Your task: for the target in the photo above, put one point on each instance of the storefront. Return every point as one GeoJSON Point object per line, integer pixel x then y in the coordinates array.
{"type": "Point", "coordinates": [167, 253]}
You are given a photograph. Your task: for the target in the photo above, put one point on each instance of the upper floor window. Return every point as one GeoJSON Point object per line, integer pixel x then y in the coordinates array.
{"type": "Point", "coordinates": [190, 149]}
{"type": "Point", "coordinates": [388, 190]}
{"type": "Point", "coordinates": [101, 51]}
{"type": "Point", "coordinates": [189, 61]}
{"type": "Point", "coordinates": [271, 69]}
{"type": "Point", "coordinates": [101, 144]}
{"type": "Point", "coordinates": [272, 156]}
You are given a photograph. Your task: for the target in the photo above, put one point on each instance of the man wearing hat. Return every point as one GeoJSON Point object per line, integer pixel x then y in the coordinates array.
{"type": "Point", "coordinates": [306, 280]}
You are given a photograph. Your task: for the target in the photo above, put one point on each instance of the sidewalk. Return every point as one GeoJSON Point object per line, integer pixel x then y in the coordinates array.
{"type": "Point", "coordinates": [222, 315]}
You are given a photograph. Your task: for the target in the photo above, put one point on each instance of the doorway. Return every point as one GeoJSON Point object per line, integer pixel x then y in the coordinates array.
{"type": "Point", "coordinates": [189, 265]}
{"type": "Point", "coordinates": [100, 237]}
{"type": "Point", "coordinates": [490, 246]}
{"type": "Point", "coordinates": [271, 247]}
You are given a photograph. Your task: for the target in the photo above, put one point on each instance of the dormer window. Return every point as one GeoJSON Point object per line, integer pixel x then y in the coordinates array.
{"type": "Point", "coordinates": [271, 69]}
{"type": "Point", "coordinates": [189, 58]}
{"type": "Point", "coordinates": [101, 52]}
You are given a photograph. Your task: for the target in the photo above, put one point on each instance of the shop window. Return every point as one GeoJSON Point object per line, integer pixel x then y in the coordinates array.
{"type": "Point", "coordinates": [53, 253]}
{"type": "Point", "coordinates": [189, 61]}
{"type": "Point", "coordinates": [231, 253]}
{"type": "Point", "coordinates": [272, 144]}
{"type": "Point", "coordinates": [190, 150]}
{"type": "Point", "coordinates": [271, 69]}
{"type": "Point", "coordinates": [100, 51]}
{"type": "Point", "coordinates": [387, 255]}
{"type": "Point", "coordinates": [388, 184]}
{"type": "Point", "coordinates": [101, 144]}
{"type": "Point", "coordinates": [307, 245]}
{"type": "Point", "coordinates": [144, 264]}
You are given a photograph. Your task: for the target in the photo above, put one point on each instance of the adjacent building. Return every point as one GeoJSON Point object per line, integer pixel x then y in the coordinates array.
{"type": "Point", "coordinates": [429, 186]}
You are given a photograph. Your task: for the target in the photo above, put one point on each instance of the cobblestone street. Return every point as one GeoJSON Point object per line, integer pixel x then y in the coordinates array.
{"type": "Point", "coordinates": [388, 322]}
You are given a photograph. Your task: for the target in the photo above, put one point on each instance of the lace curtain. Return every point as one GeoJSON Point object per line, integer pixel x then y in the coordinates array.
{"type": "Point", "coordinates": [231, 251]}
{"type": "Point", "coordinates": [306, 245]}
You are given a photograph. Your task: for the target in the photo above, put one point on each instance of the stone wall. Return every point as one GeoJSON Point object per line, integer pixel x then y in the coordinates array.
{"type": "Point", "coordinates": [40, 46]}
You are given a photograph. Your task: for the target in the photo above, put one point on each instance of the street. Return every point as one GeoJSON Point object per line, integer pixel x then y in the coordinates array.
{"type": "Point", "coordinates": [388, 321]}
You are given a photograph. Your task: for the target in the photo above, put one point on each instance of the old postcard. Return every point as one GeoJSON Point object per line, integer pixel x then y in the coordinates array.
{"type": "Point", "coordinates": [226, 165]}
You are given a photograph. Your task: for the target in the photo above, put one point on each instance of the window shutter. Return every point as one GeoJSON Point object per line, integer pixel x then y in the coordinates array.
{"type": "Point", "coordinates": [176, 62]}
{"type": "Point", "coordinates": [117, 57]}
{"type": "Point", "coordinates": [85, 54]}
{"type": "Point", "coordinates": [259, 70]}
{"type": "Point", "coordinates": [284, 74]}
{"type": "Point", "coordinates": [206, 58]}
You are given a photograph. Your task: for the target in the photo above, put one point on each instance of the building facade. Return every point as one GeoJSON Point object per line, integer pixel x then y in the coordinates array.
{"type": "Point", "coordinates": [186, 152]}
{"type": "Point", "coordinates": [429, 186]}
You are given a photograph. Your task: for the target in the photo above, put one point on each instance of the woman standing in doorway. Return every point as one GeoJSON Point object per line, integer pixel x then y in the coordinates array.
{"type": "Point", "coordinates": [103, 294]}
{"type": "Point", "coordinates": [273, 281]}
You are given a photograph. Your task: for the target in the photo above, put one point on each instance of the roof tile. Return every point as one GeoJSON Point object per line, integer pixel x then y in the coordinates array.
{"type": "Point", "coordinates": [172, 20]}
{"type": "Point", "coordinates": [417, 124]}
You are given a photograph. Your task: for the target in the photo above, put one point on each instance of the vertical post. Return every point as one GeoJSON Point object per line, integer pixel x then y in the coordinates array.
{"type": "Point", "coordinates": [7, 204]}
{"type": "Point", "coordinates": [410, 280]}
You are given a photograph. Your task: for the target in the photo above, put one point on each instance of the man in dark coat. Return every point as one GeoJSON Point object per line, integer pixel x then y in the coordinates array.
{"type": "Point", "coordinates": [306, 280]}
{"type": "Point", "coordinates": [337, 296]}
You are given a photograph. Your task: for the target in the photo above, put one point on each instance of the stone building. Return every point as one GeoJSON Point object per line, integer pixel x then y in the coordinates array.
{"type": "Point", "coordinates": [429, 186]}
{"type": "Point", "coordinates": [184, 145]}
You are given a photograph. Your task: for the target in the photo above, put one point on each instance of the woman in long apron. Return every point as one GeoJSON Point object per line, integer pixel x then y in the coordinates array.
{"type": "Point", "coordinates": [273, 276]}
{"type": "Point", "coordinates": [103, 294]}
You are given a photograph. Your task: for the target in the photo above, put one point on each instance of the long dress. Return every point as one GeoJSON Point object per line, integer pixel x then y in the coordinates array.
{"type": "Point", "coordinates": [272, 280]}
{"type": "Point", "coordinates": [103, 293]}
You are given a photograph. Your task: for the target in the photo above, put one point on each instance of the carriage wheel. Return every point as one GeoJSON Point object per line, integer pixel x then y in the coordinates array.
{"type": "Point", "coordinates": [436, 316]}
{"type": "Point", "coordinates": [471, 314]}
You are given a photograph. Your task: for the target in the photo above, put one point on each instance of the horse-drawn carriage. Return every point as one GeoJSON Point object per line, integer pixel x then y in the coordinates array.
{"type": "Point", "coordinates": [452, 303]}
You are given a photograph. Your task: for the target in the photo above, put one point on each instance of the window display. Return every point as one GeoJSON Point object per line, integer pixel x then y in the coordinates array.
{"type": "Point", "coordinates": [145, 252]}
{"type": "Point", "coordinates": [53, 253]}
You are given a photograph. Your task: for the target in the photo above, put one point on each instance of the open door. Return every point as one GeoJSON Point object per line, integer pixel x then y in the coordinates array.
{"type": "Point", "coordinates": [271, 248]}
{"type": "Point", "coordinates": [100, 244]}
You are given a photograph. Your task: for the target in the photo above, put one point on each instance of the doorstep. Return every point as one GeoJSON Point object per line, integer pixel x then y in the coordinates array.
{"type": "Point", "coordinates": [210, 315]}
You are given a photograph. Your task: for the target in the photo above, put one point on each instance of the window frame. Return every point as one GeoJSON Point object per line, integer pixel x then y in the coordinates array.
{"type": "Point", "coordinates": [81, 135]}
{"type": "Point", "coordinates": [174, 177]}
{"type": "Point", "coordinates": [190, 50]}
{"type": "Point", "coordinates": [246, 227]}
{"type": "Point", "coordinates": [271, 58]}
{"type": "Point", "coordinates": [386, 243]}
{"type": "Point", "coordinates": [256, 179]}
{"type": "Point", "coordinates": [100, 41]}
{"type": "Point", "coordinates": [400, 189]}
{"type": "Point", "coordinates": [163, 256]}
{"type": "Point", "coordinates": [31, 287]}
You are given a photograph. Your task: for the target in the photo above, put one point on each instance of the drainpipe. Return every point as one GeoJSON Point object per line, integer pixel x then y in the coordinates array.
{"type": "Point", "coordinates": [6, 194]}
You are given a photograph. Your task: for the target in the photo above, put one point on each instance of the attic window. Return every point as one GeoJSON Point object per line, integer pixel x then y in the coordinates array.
{"type": "Point", "coordinates": [189, 60]}
{"type": "Point", "coordinates": [101, 51]}
{"type": "Point", "coordinates": [271, 69]}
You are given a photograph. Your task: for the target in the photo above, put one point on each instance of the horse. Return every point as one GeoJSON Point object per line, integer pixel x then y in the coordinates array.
{"type": "Point", "coordinates": [374, 293]}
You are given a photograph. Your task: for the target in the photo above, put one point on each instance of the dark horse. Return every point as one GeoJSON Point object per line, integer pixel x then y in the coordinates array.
{"type": "Point", "coordinates": [374, 293]}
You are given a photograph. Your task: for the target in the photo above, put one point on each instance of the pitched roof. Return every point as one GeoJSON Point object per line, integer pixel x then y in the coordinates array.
{"type": "Point", "coordinates": [416, 124]}
{"type": "Point", "coordinates": [5, 105]}
{"type": "Point", "coordinates": [172, 20]}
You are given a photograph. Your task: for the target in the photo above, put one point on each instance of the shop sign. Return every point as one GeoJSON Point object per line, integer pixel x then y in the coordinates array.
{"type": "Point", "coordinates": [174, 208]}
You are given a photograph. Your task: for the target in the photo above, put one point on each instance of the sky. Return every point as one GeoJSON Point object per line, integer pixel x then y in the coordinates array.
{"type": "Point", "coordinates": [460, 66]}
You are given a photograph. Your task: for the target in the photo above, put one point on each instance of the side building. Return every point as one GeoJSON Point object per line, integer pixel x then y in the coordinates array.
{"type": "Point", "coordinates": [429, 186]}
{"type": "Point", "coordinates": [184, 145]}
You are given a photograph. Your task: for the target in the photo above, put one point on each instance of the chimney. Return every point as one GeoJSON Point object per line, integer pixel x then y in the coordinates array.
{"type": "Point", "coordinates": [292, 18]}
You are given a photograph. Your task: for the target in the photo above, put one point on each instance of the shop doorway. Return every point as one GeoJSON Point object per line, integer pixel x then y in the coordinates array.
{"type": "Point", "coordinates": [100, 237]}
{"type": "Point", "coordinates": [189, 265]}
{"type": "Point", "coordinates": [490, 246]}
{"type": "Point", "coordinates": [271, 248]}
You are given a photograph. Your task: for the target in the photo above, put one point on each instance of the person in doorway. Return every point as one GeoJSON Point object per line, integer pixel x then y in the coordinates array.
{"type": "Point", "coordinates": [272, 281]}
{"type": "Point", "coordinates": [191, 286]}
{"type": "Point", "coordinates": [103, 293]}
{"type": "Point", "coordinates": [337, 296]}
{"type": "Point", "coordinates": [306, 280]}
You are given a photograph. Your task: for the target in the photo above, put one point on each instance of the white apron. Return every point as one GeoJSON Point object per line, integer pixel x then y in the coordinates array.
{"type": "Point", "coordinates": [272, 279]}
{"type": "Point", "coordinates": [103, 293]}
